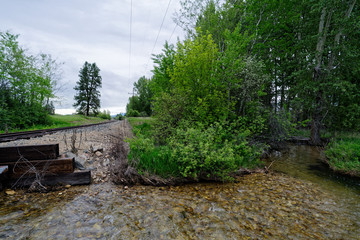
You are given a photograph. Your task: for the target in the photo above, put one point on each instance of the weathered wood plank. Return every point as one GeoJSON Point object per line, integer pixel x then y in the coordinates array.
{"type": "Point", "coordinates": [75, 178]}
{"type": "Point", "coordinates": [20, 168]}
{"type": "Point", "coordinates": [3, 169]}
{"type": "Point", "coordinates": [31, 152]}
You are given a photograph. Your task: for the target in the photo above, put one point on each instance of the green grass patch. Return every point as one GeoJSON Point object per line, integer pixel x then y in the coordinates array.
{"type": "Point", "coordinates": [145, 155]}
{"type": "Point", "coordinates": [343, 154]}
{"type": "Point", "coordinates": [58, 121]}
{"type": "Point", "coordinates": [142, 125]}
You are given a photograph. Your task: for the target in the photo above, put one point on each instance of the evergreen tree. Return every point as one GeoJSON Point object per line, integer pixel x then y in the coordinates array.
{"type": "Point", "coordinates": [87, 99]}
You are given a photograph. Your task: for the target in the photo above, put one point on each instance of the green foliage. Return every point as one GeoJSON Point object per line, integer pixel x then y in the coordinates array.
{"type": "Point", "coordinates": [58, 121]}
{"type": "Point", "coordinates": [142, 101]}
{"type": "Point", "coordinates": [147, 157]}
{"type": "Point", "coordinates": [164, 65]}
{"type": "Point", "coordinates": [344, 155]}
{"type": "Point", "coordinates": [132, 113]}
{"type": "Point", "coordinates": [119, 117]}
{"type": "Point", "coordinates": [280, 126]}
{"type": "Point", "coordinates": [194, 152]}
{"type": "Point", "coordinates": [27, 83]}
{"type": "Point", "coordinates": [213, 152]}
{"type": "Point", "coordinates": [87, 98]}
{"type": "Point", "coordinates": [105, 115]}
{"type": "Point", "coordinates": [261, 67]}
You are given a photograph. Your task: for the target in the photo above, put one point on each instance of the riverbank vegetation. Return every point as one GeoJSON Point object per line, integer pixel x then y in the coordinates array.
{"type": "Point", "coordinates": [343, 154]}
{"type": "Point", "coordinates": [248, 73]}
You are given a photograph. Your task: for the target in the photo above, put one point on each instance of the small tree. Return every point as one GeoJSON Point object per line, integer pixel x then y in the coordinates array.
{"type": "Point", "coordinates": [87, 99]}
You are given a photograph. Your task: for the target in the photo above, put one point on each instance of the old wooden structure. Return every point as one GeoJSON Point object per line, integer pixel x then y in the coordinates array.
{"type": "Point", "coordinates": [20, 166]}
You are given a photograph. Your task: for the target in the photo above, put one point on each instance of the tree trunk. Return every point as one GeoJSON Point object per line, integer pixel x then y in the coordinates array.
{"type": "Point", "coordinates": [316, 121]}
{"type": "Point", "coordinates": [318, 75]}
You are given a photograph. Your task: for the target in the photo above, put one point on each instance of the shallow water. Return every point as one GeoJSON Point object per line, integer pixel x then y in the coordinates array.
{"type": "Point", "coordinates": [259, 206]}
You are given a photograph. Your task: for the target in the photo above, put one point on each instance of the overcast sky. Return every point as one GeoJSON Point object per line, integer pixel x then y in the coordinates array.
{"type": "Point", "coordinates": [75, 31]}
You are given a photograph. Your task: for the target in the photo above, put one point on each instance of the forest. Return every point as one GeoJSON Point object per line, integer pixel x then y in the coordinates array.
{"type": "Point", "coordinates": [250, 73]}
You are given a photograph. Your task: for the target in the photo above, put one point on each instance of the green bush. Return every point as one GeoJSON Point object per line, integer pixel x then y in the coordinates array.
{"type": "Point", "coordinates": [132, 113]}
{"type": "Point", "coordinates": [212, 152]}
{"type": "Point", "coordinates": [119, 117]}
{"type": "Point", "coordinates": [105, 115]}
{"type": "Point", "coordinates": [344, 155]}
{"type": "Point", "coordinates": [21, 116]}
{"type": "Point", "coordinates": [193, 151]}
{"type": "Point", "coordinates": [143, 114]}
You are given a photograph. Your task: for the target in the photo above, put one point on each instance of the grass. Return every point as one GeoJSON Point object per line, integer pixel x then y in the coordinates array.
{"type": "Point", "coordinates": [343, 152]}
{"type": "Point", "coordinates": [58, 121]}
{"type": "Point", "coordinates": [142, 125]}
{"type": "Point", "coordinates": [145, 155]}
{"type": "Point", "coordinates": [344, 155]}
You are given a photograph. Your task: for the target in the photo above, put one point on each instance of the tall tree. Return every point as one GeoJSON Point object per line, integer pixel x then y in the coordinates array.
{"type": "Point", "coordinates": [27, 83]}
{"type": "Point", "coordinates": [142, 101]}
{"type": "Point", "coordinates": [87, 99]}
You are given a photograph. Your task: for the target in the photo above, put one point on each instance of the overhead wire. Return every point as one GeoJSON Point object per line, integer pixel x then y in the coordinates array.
{"type": "Point", "coordinates": [172, 33]}
{"type": "Point", "coordinates": [157, 37]}
{"type": "Point", "coordinates": [130, 40]}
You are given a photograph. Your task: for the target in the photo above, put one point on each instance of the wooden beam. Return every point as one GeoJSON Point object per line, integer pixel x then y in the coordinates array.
{"type": "Point", "coordinates": [3, 169]}
{"type": "Point", "coordinates": [31, 152]}
{"type": "Point", "coordinates": [26, 168]}
{"type": "Point", "coordinates": [75, 178]}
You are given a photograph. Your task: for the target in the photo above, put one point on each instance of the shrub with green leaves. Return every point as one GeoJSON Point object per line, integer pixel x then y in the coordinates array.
{"type": "Point", "coordinates": [105, 115]}
{"type": "Point", "coordinates": [213, 152]}
{"type": "Point", "coordinates": [194, 151]}
{"type": "Point", "coordinates": [132, 113]}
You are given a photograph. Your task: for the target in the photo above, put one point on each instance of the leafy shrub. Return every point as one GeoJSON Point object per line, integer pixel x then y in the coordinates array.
{"type": "Point", "coordinates": [23, 116]}
{"type": "Point", "coordinates": [212, 152]}
{"type": "Point", "coordinates": [143, 114]}
{"type": "Point", "coordinates": [132, 113]}
{"type": "Point", "coordinates": [344, 155]}
{"type": "Point", "coordinates": [119, 117]}
{"type": "Point", "coordinates": [105, 115]}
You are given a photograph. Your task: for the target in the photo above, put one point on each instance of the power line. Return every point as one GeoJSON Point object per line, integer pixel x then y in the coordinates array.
{"type": "Point", "coordinates": [130, 41]}
{"type": "Point", "coordinates": [158, 35]}
{"type": "Point", "coordinates": [172, 32]}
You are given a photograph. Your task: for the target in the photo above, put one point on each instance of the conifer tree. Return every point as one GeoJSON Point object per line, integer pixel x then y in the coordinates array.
{"type": "Point", "coordinates": [87, 98]}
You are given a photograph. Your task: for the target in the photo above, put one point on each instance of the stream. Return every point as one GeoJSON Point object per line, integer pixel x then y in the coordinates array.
{"type": "Point", "coordinates": [299, 199]}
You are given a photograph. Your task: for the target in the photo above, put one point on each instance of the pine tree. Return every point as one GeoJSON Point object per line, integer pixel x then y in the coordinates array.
{"type": "Point", "coordinates": [87, 99]}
